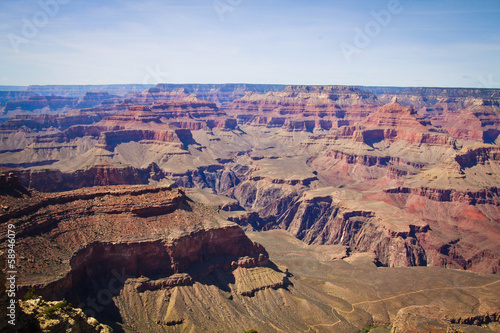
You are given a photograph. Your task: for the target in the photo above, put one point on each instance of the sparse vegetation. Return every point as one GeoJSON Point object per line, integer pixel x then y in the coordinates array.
{"type": "Point", "coordinates": [50, 311]}
{"type": "Point", "coordinates": [372, 327]}
{"type": "Point", "coordinates": [31, 294]}
{"type": "Point", "coordinates": [251, 331]}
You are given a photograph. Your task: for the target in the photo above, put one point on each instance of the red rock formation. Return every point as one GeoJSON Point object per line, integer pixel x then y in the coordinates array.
{"type": "Point", "coordinates": [105, 173]}
{"type": "Point", "coordinates": [150, 231]}
{"type": "Point", "coordinates": [345, 136]}
{"type": "Point", "coordinates": [188, 113]}
{"type": "Point", "coordinates": [110, 139]}
{"type": "Point", "coordinates": [395, 115]}
{"type": "Point", "coordinates": [479, 122]}
{"type": "Point", "coordinates": [371, 136]}
{"type": "Point", "coordinates": [321, 107]}
{"type": "Point", "coordinates": [371, 160]}
{"type": "Point", "coordinates": [322, 219]}
{"type": "Point", "coordinates": [463, 223]}
{"type": "Point", "coordinates": [479, 197]}
{"type": "Point", "coordinates": [40, 122]}
{"type": "Point", "coordinates": [396, 122]}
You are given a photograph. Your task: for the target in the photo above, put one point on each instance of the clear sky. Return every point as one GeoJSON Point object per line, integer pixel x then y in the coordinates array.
{"type": "Point", "coordinates": [447, 43]}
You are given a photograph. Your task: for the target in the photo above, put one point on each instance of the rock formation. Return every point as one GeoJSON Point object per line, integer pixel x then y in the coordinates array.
{"type": "Point", "coordinates": [414, 151]}
{"type": "Point", "coordinates": [316, 107]}
{"type": "Point", "coordinates": [357, 181]}
{"type": "Point", "coordinates": [46, 103]}
{"type": "Point", "coordinates": [67, 243]}
{"type": "Point", "coordinates": [37, 315]}
{"type": "Point", "coordinates": [6, 96]}
{"type": "Point", "coordinates": [91, 99]}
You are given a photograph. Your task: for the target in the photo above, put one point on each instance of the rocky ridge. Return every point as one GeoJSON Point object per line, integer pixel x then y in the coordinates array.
{"type": "Point", "coordinates": [71, 244]}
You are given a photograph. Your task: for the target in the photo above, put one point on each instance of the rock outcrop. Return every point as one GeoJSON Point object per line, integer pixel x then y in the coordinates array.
{"type": "Point", "coordinates": [70, 243]}
{"type": "Point", "coordinates": [37, 315]}
{"type": "Point", "coordinates": [329, 216]}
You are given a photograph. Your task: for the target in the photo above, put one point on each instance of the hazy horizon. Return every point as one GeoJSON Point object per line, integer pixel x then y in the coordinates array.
{"type": "Point", "coordinates": [389, 43]}
{"type": "Point", "coordinates": [238, 83]}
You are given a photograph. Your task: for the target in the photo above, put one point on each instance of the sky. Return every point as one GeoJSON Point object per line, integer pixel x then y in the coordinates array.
{"type": "Point", "coordinates": [438, 43]}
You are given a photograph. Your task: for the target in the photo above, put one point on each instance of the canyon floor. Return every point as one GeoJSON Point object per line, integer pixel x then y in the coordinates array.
{"type": "Point", "coordinates": [354, 291]}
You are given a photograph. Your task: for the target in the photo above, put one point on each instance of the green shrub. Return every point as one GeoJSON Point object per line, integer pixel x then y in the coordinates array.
{"type": "Point", "coordinates": [31, 294]}
{"type": "Point", "coordinates": [50, 311]}
{"type": "Point", "coordinates": [251, 331]}
{"type": "Point", "coordinates": [369, 328]}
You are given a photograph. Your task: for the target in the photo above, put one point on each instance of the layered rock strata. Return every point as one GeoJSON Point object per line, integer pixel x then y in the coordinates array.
{"type": "Point", "coordinates": [70, 243]}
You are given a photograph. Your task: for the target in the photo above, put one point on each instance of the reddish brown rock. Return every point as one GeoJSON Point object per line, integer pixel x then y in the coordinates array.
{"type": "Point", "coordinates": [266, 149]}
{"type": "Point", "coordinates": [89, 234]}
{"type": "Point", "coordinates": [321, 107]}
{"type": "Point", "coordinates": [396, 115]}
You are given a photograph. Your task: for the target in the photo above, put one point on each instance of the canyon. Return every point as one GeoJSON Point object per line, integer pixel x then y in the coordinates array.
{"type": "Point", "coordinates": [169, 184]}
{"type": "Point", "coordinates": [162, 259]}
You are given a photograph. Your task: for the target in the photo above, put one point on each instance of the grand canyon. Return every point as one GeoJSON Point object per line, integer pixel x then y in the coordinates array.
{"type": "Point", "coordinates": [231, 207]}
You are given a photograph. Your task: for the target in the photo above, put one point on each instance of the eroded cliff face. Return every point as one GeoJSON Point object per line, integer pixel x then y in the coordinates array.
{"type": "Point", "coordinates": [416, 235]}
{"type": "Point", "coordinates": [264, 148]}
{"type": "Point", "coordinates": [74, 244]}
{"type": "Point", "coordinates": [402, 225]}
{"type": "Point", "coordinates": [303, 108]}
{"type": "Point", "coordinates": [329, 216]}
{"type": "Point", "coordinates": [362, 181]}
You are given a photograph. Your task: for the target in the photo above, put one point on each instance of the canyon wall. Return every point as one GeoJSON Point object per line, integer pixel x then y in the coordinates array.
{"type": "Point", "coordinates": [265, 146]}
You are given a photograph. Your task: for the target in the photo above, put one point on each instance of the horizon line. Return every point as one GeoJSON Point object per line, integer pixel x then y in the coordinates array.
{"type": "Point", "coordinates": [242, 83]}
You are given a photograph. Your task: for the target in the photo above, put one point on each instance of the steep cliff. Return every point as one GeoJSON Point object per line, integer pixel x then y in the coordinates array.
{"type": "Point", "coordinates": [265, 147]}
{"type": "Point", "coordinates": [332, 216]}
{"type": "Point", "coordinates": [312, 107]}
{"type": "Point", "coordinates": [74, 244]}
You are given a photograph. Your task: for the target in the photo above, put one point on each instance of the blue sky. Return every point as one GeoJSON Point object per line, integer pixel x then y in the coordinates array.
{"type": "Point", "coordinates": [448, 43]}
